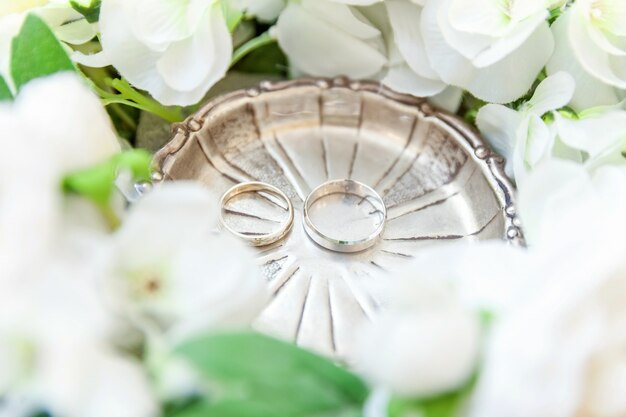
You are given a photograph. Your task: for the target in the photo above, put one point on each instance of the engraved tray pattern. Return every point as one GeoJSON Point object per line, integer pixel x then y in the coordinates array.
{"type": "Point", "coordinates": [438, 180]}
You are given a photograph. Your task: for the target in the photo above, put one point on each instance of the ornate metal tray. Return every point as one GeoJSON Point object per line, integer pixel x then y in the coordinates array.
{"type": "Point", "coordinates": [438, 179]}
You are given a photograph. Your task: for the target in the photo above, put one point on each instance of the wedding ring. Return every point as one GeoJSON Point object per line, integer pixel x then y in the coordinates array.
{"type": "Point", "coordinates": [261, 187]}
{"type": "Point", "coordinates": [347, 187]}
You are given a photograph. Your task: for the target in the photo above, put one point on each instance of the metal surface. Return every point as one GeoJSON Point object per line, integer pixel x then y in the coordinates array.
{"type": "Point", "coordinates": [439, 181]}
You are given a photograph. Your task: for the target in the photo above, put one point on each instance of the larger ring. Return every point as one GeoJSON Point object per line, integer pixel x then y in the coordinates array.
{"type": "Point", "coordinates": [264, 239]}
{"type": "Point", "coordinates": [349, 187]}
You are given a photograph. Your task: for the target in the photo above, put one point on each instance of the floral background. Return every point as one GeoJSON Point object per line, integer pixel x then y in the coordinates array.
{"type": "Point", "coordinates": [101, 315]}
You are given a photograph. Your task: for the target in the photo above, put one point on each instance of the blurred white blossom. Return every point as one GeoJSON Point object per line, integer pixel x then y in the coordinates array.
{"type": "Point", "coordinates": [564, 197]}
{"type": "Point", "coordinates": [173, 274]}
{"type": "Point", "coordinates": [175, 50]}
{"type": "Point", "coordinates": [561, 352]}
{"type": "Point", "coordinates": [590, 44]}
{"type": "Point", "coordinates": [42, 141]}
{"type": "Point", "coordinates": [55, 332]}
{"type": "Point", "coordinates": [427, 340]}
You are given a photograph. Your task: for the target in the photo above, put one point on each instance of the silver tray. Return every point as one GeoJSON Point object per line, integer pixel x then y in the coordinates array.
{"type": "Point", "coordinates": [438, 179]}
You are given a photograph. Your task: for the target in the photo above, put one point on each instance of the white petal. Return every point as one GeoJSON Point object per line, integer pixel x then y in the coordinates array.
{"type": "Point", "coordinates": [305, 37]}
{"type": "Point", "coordinates": [188, 63]}
{"type": "Point", "coordinates": [91, 139]}
{"type": "Point", "coordinates": [67, 24]}
{"type": "Point", "coordinates": [538, 196]}
{"type": "Point", "coordinates": [609, 45]}
{"type": "Point", "coordinates": [358, 2]}
{"type": "Point", "coordinates": [402, 78]}
{"type": "Point", "coordinates": [509, 43]}
{"type": "Point", "coordinates": [405, 20]}
{"type": "Point", "coordinates": [412, 353]}
{"type": "Point", "coordinates": [513, 76]}
{"type": "Point", "coordinates": [216, 284]}
{"type": "Point", "coordinates": [499, 124]}
{"type": "Point", "coordinates": [84, 381]}
{"type": "Point", "coordinates": [467, 44]}
{"type": "Point", "coordinates": [180, 206]}
{"type": "Point", "coordinates": [157, 23]}
{"type": "Point", "coordinates": [552, 93]}
{"type": "Point", "coordinates": [133, 59]}
{"type": "Point", "coordinates": [614, 16]}
{"type": "Point", "coordinates": [537, 138]}
{"type": "Point", "coordinates": [607, 380]}
{"type": "Point", "coordinates": [340, 16]}
{"type": "Point", "coordinates": [449, 99]}
{"type": "Point", "coordinates": [97, 60]}
{"type": "Point", "coordinates": [478, 16]}
{"type": "Point", "coordinates": [584, 134]}
{"type": "Point", "coordinates": [590, 92]}
{"type": "Point", "coordinates": [450, 65]}
{"type": "Point", "coordinates": [523, 9]}
{"type": "Point", "coordinates": [502, 82]}
{"type": "Point", "coordinates": [265, 10]}
{"type": "Point", "coordinates": [595, 61]}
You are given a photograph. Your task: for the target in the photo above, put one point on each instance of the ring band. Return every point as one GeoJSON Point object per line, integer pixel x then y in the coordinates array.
{"type": "Point", "coordinates": [349, 187]}
{"type": "Point", "coordinates": [263, 239]}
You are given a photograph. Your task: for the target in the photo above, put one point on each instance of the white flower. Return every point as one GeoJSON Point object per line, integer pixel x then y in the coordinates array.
{"type": "Point", "coordinates": [427, 340]}
{"type": "Point", "coordinates": [418, 354]}
{"type": "Point", "coordinates": [174, 275]}
{"type": "Point", "coordinates": [409, 69]}
{"type": "Point", "coordinates": [325, 38]}
{"type": "Point", "coordinates": [263, 10]}
{"type": "Point", "coordinates": [561, 353]}
{"type": "Point", "coordinates": [381, 42]}
{"type": "Point", "coordinates": [522, 136]}
{"type": "Point", "coordinates": [492, 49]}
{"type": "Point", "coordinates": [68, 25]}
{"type": "Point", "coordinates": [561, 193]}
{"type": "Point", "coordinates": [56, 334]}
{"type": "Point", "coordinates": [42, 141]}
{"type": "Point", "coordinates": [590, 45]}
{"type": "Point", "coordinates": [55, 342]}
{"type": "Point", "coordinates": [600, 133]}
{"type": "Point", "coordinates": [175, 50]}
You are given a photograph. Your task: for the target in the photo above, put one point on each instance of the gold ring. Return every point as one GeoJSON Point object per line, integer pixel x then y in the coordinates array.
{"type": "Point", "coordinates": [255, 186]}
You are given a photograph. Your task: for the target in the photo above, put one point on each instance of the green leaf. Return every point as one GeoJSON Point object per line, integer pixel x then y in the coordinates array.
{"type": "Point", "coordinates": [37, 53]}
{"type": "Point", "coordinates": [261, 376]}
{"type": "Point", "coordinates": [445, 405]}
{"type": "Point", "coordinates": [247, 408]}
{"type": "Point", "coordinates": [5, 91]}
{"type": "Point", "coordinates": [98, 183]}
{"type": "Point", "coordinates": [90, 10]}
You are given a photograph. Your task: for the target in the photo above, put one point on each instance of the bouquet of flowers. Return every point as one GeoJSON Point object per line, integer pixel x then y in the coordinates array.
{"type": "Point", "coordinates": [143, 310]}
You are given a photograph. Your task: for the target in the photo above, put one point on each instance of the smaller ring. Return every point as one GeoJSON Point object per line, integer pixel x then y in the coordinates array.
{"type": "Point", "coordinates": [247, 187]}
{"type": "Point", "coordinates": [344, 187]}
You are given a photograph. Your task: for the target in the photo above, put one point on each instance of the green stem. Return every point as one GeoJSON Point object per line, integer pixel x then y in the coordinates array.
{"type": "Point", "coordinates": [148, 104]}
{"type": "Point", "coordinates": [255, 43]}
{"type": "Point", "coordinates": [112, 220]}
{"type": "Point", "coordinates": [124, 117]}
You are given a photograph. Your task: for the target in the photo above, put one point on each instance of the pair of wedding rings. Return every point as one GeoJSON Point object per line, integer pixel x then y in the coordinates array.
{"type": "Point", "coordinates": [346, 187]}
